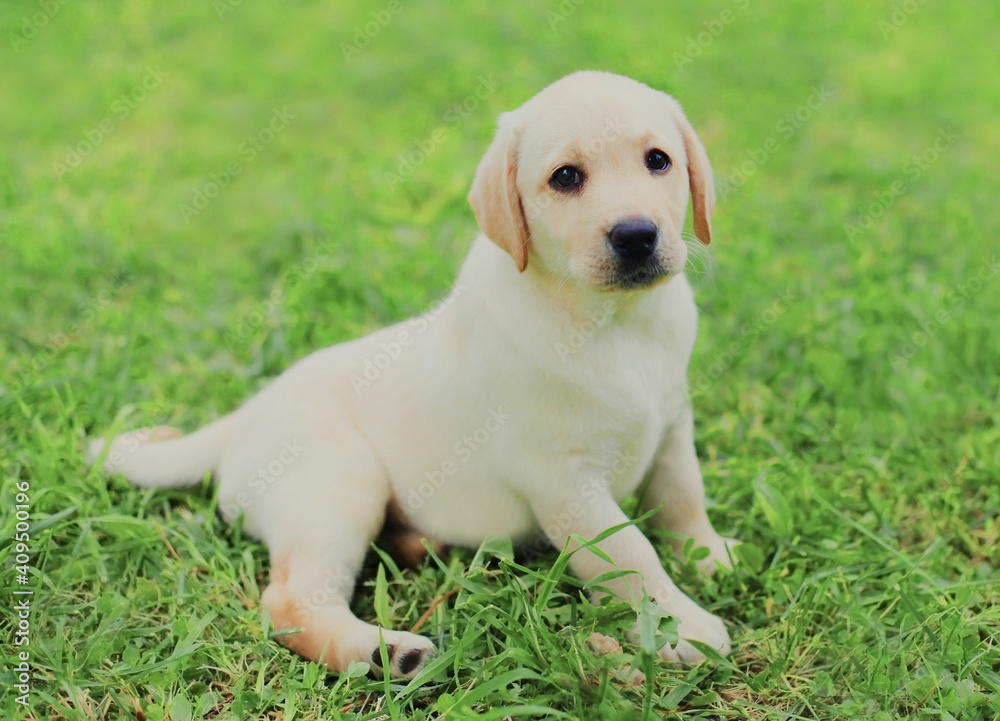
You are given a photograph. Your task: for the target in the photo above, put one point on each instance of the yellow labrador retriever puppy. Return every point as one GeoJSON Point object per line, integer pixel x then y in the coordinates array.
{"type": "Point", "coordinates": [550, 386]}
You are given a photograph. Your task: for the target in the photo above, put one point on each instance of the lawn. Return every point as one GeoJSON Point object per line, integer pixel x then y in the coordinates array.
{"type": "Point", "coordinates": [194, 195]}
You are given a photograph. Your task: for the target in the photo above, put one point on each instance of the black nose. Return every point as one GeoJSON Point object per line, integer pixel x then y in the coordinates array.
{"type": "Point", "coordinates": [633, 240]}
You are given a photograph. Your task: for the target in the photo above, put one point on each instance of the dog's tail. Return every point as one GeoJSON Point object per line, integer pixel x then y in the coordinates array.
{"type": "Point", "coordinates": [161, 457]}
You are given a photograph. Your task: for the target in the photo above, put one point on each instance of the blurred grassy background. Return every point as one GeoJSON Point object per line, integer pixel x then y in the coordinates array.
{"type": "Point", "coordinates": [856, 394]}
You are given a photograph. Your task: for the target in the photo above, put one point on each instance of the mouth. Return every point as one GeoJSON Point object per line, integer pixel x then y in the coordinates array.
{"type": "Point", "coordinates": [641, 278]}
{"type": "Point", "coordinates": [639, 253]}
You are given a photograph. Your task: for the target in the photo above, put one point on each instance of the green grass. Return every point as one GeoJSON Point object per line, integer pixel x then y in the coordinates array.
{"type": "Point", "coordinates": [846, 381]}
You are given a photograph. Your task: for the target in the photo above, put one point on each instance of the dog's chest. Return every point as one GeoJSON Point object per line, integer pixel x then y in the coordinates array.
{"type": "Point", "coordinates": [591, 430]}
{"type": "Point", "coordinates": [620, 401]}
{"type": "Point", "coordinates": [585, 416]}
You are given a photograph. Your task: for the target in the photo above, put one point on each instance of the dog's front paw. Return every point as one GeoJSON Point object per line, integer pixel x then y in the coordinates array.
{"type": "Point", "coordinates": [706, 628]}
{"type": "Point", "coordinates": [407, 653]}
{"type": "Point", "coordinates": [695, 624]}
{"type": "Point", "coordinates": [720, 553]}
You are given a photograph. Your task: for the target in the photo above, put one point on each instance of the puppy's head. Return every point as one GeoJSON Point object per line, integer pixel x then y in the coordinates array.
{"type": "Point", "coordinates": [590, 180]}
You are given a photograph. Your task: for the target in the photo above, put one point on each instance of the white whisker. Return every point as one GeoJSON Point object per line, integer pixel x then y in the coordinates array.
{"type": "Point", "coordinates": [700, 263]}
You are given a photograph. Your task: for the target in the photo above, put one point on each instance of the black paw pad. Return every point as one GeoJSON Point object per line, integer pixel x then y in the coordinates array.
{"type": "Point", "coordinates": [411, 659]}
{"type": "Point", "coordinates": [390, 649]}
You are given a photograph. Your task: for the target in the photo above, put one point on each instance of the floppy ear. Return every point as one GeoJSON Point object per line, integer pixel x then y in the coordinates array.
{"type": "Point", "coordinates": [494, 196]}
{"type": "Point", "coordinates": [699, 177]}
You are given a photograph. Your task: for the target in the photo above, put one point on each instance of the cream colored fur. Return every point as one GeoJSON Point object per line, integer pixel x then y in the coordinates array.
{"type": "Point", "coordinates": [545, 391]}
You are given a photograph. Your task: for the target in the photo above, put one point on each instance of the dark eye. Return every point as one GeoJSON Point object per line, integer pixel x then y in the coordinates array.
{"type": "Point", "coordinates": [566, 177]}
{"type": "Point", "coordinates": [657, 160]}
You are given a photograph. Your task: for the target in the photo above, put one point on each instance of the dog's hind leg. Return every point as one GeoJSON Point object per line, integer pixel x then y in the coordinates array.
{"type": "Point", "coordinates": [403, 542]}
{"type": "Point", "coordinates": [316, 552]}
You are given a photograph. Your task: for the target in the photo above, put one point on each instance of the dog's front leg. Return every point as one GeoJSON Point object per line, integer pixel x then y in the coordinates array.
{"type": "Point", "coordinates": [581, 514]}
{"type": "Point", "coordinates": [677, 491]}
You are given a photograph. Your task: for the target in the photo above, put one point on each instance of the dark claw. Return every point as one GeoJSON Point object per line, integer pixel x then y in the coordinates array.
{"type": "Point", "coordinates": [410, 660]}
{"type": "Point", "coordinates": [377, 654]}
